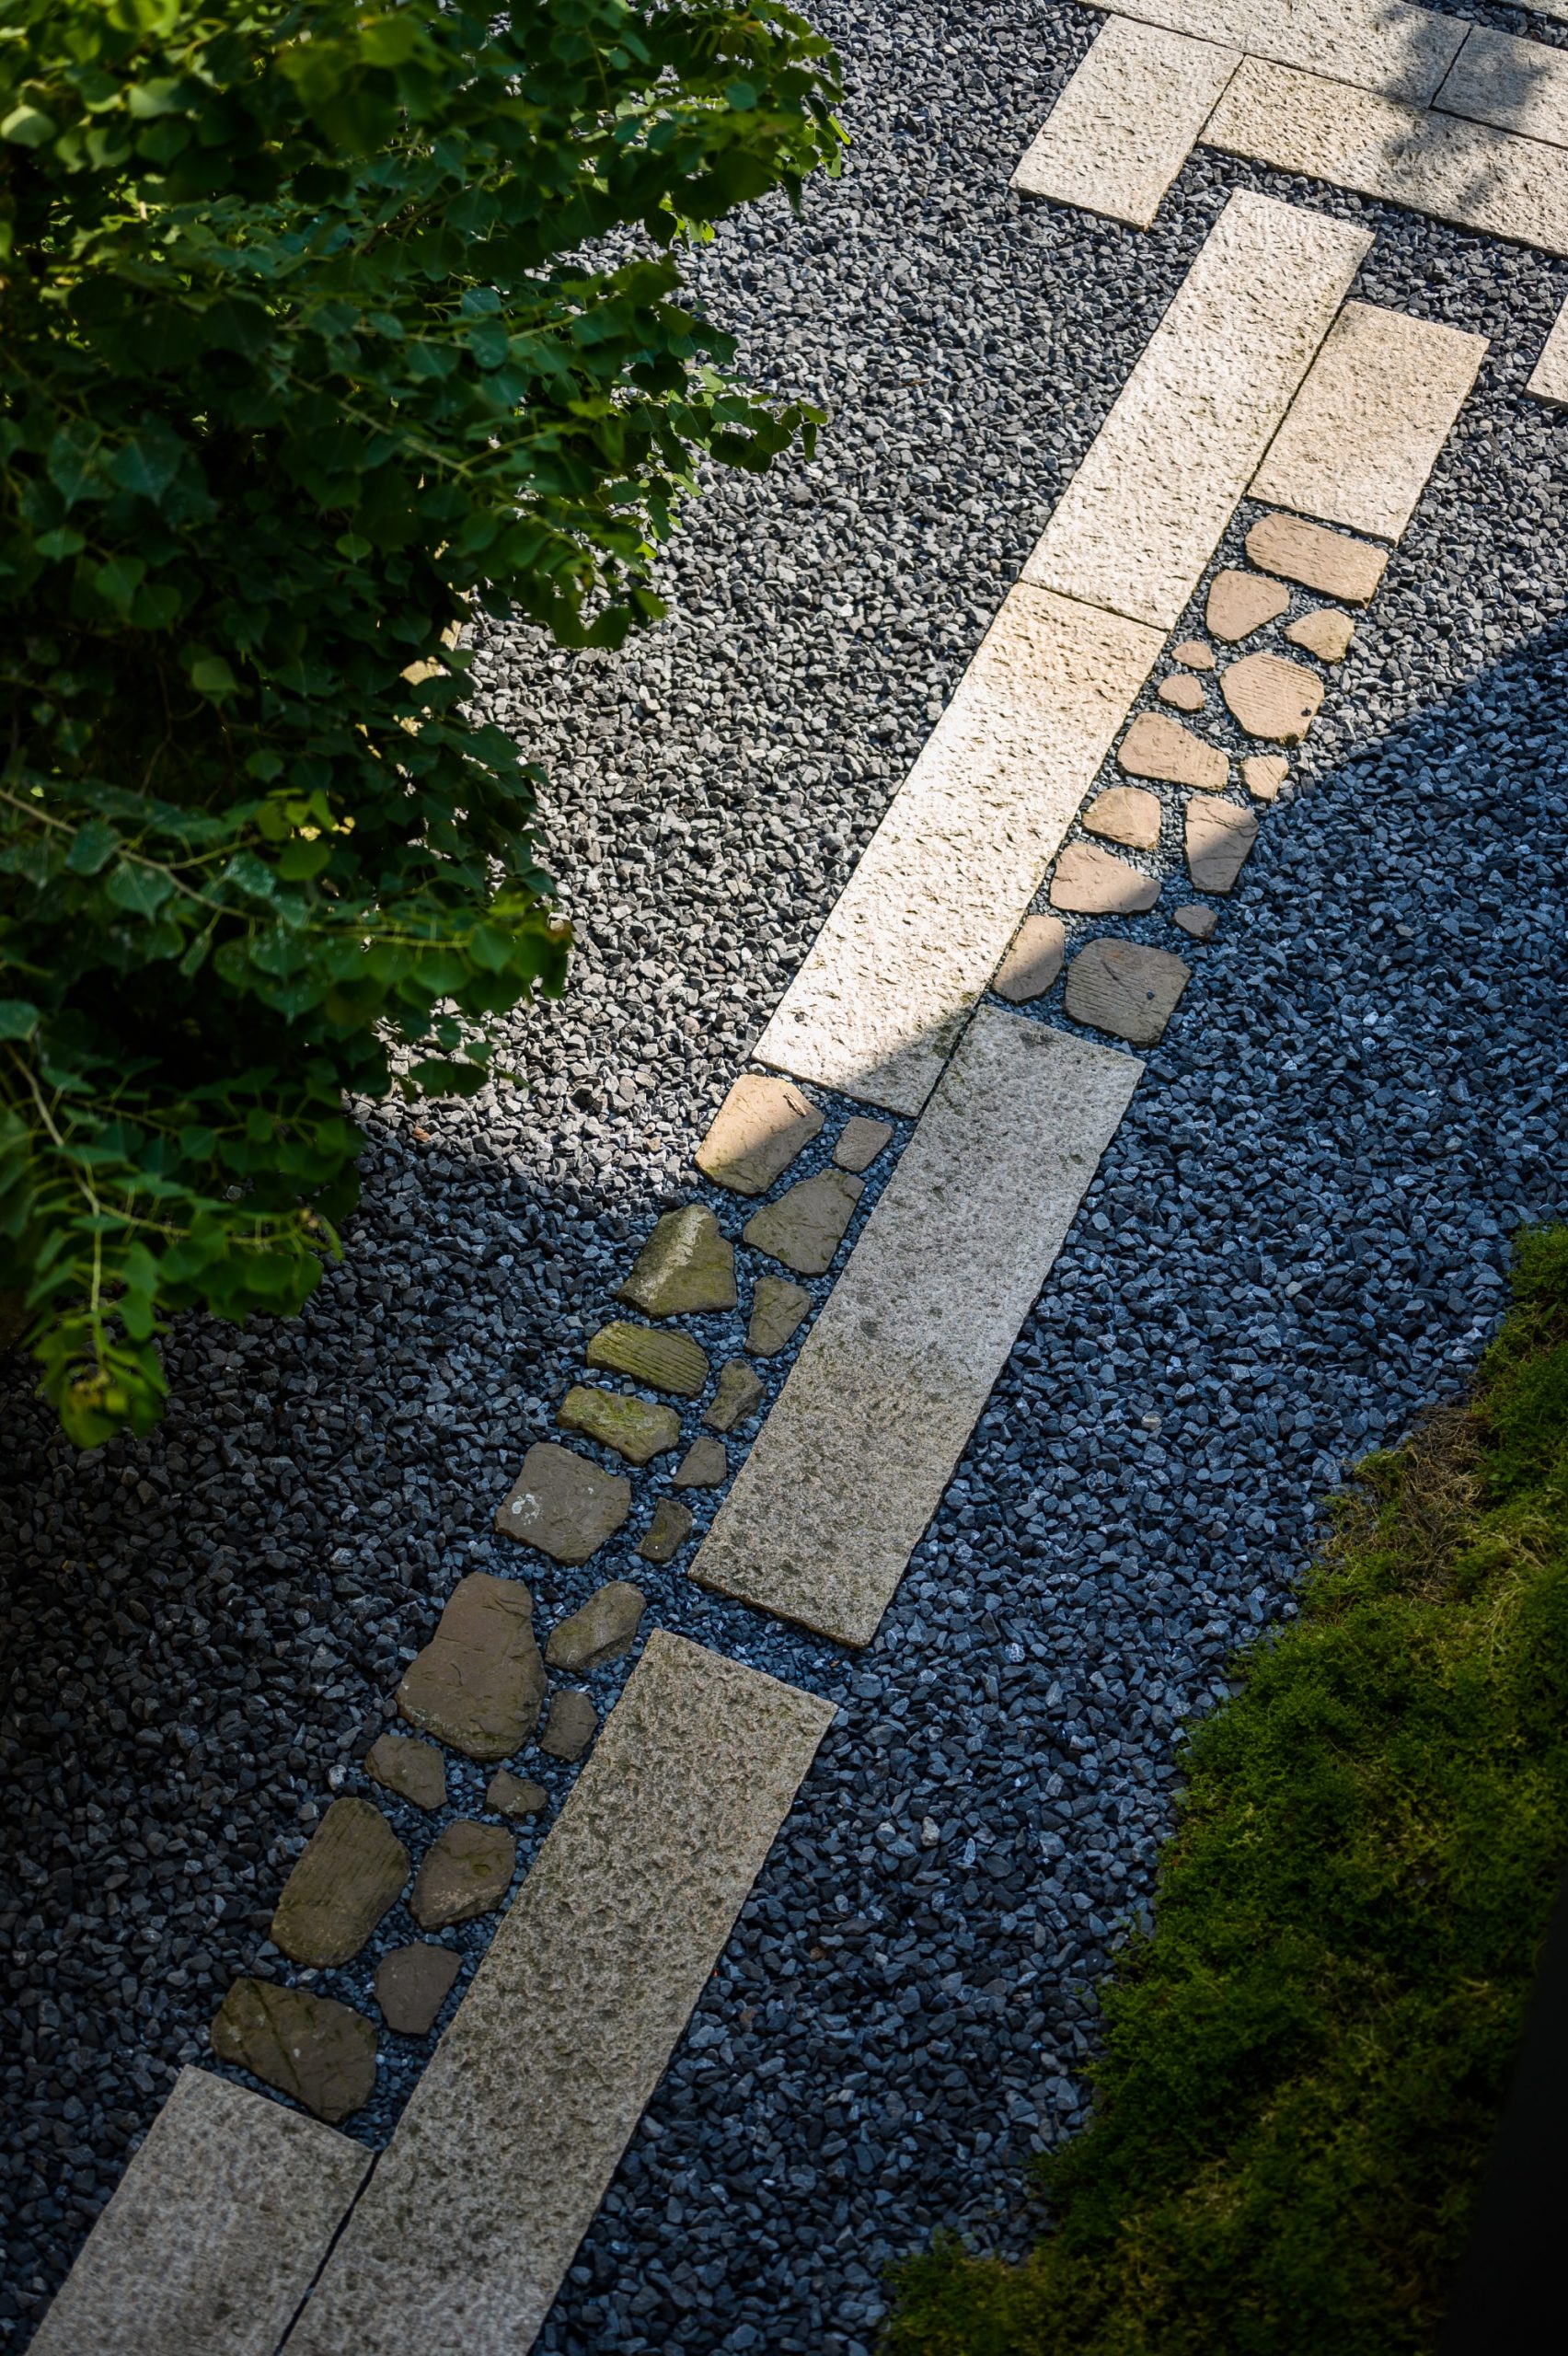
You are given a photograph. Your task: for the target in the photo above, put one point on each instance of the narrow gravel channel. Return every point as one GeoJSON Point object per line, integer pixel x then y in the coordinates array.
{"type": "Point", "coordinates": [1298, 1238]}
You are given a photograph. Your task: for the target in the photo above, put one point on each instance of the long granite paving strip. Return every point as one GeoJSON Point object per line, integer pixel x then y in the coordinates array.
{"type": "Point", "coordinates": [1383, 45]}
{"type": "Point", "coordinates": [912, 941]}
{"type": "Point", "coordinates": [1549, 378]}
{"type": "Point", "coordinates": [1363, 435]}
{"type": "Point", "coordinates": [496, 2168]}
{"type": "Point", "coordinates": [853, 1458]}
{"type": "Point", "coordinates": [1517, 85]}
{"type": "Point", "coordinates": [1145, 512]}
{"type": "Point", "coordinates": [215, 2233]}
{"type": "Point", "coordinates": [1127, 121]}
{"type": "Point", "coordinates": [1460, 171]}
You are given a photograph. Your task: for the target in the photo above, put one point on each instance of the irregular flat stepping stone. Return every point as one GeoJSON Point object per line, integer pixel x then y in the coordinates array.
{"type": "Point", "coordinates": [1238, 602]}
{"type": "Point", "coordinates": [777, 1306]}
{"type": "Point", "coordinates": [1094, 883]}
{"type": "Point", "coordinates": [1122, 988]}
{"type": "Point", "coordinates": [1194, 654]}
{"type": "Point", "coordinates": [664, 1361]}
{"type": "Point", "coordinates": [667, 1533]}
{"type": "Point", "coordinates": [1273, 698]}
{"type": "Point", "coordinates": [1263, 774]}
{"type": "Point", "coordinates": [320, 2053]}
{"type": "Point", "coordinates": [1197, 920]}
{"type": "Point", "coordinates": [571, 1726]}
{"type": "Point", "coordinates": [859, 1142]}
{"type": "Point", "coordinates": [1319, 559]}
{"type": "Point", "coordinates": [599, 1631]}
{"type": "Point", "coordinates": [564, 1505]}
{"type": "Point", "coordinates": [1219, 835]}
{"type": "Point", "coordinates": [1182, 693]}
{"type": "Point", "coordinates": [478, 1682]}
{"type": "Point", "coordinates": [633, 1428]}
{"type": "Point", "coordinates": [415, 1771]}
{"type": "Point", "coordinates": [738, 1396]}
{"type": "Point", "coordinates": [704, 1465]}
{"type": "Point", "coordinates": [1325, 633]}
{"type": "Point", "coordinates": [511, 1795]}
{"type": "Point", "coordinates": [412, 1984]}
{"type": "Point", "coordinates": [352, 1870]}
{"type": "Point", "coordinates": [760, 1128]}
{"type": "Point", "coordinates": [1033, 961]}
{"type": "Point", "coordinates": [805, 1227]}
{"type": "Point", "coordinates": [463, 1875]}
{"type": "Point", "coordinates": [1155, 746]}
{"type": "Point", "coordinates": [686, 1266]}
{"type": "Point", "coordinates": [1126, 814]}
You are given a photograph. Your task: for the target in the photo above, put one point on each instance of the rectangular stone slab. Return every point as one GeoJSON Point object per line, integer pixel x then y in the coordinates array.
{"type": "Point", "coordinates": [921, 927]}
{"type": "Point", "coordinates": [501, 2159]}
{"type": "Point", "coordinates": [1548, 378]}
{"type": "Point", "coordinates": [1142, 516]}
{"type": "Point", "coordinates": [1518, 85]}
{"type": "Point", "coordinates": [1127, 121]}
{"type": "Point", "coordinates": [216, 2232]}
{"type": "Point", "coordinates": [1363, 434]}
{"type": "Point", "coordinates": [1439, 164]}
{"type": "Point", "coordinates": [852, 1461]}
{"type": "Point", "coordinates": [1383, 45]}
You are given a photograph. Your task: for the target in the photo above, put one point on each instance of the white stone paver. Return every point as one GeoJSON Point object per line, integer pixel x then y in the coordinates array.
{"type": "Point", "coordinates": [1548, 378]}
{"type": "Point", "coordinates": [922, 924]}
{"type": "Point", "coordinates": [215, 2233]}
{"type": "Point", "coordinates": [1363, 434]}
{"type": "Point", "coordinates": [1383, 45]}
{"type": "Point", "coordinates": [862, 1441]}
{"type": "Point", "coordinates": [1127, 121]}
{"type": "Point", "coordinates": [1145, 512]}
{"type": "Point", "coordinates": [494, 2172]}
{"type": "Point", "coordinates": [1518, 85]}
{"type": "Point", "coordinates": [1460, 171]}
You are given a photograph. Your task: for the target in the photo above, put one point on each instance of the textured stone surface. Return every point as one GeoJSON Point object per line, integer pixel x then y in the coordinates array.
{"type": "Point", "coordinates": [669, 1362]}
{"type": "Point", "coordinates": [1319, 559]}
{"type": "Point", "coordinates": [502, 2155]}
{"type": "Point", "coordinates": [1270, 697]}
{"type": "Point", "coordinates": [916, 934]}
{"type": "Point", "coordinates": [1122, 988]}
{"type": "Point", "coordinates": [1092, 882]}
{"type": "Point", "coordinates": [1518, 85]}
{"type": "Point", "coordinates": [511, 1795]}
{"type": "Point", "coordinates": [667, 1533]}
{"type": "Point", "coordinates": [1144, 514]}
{"type": "Point", "coordinates": [704, 1465]}
{"type": "Point", "coordinates": [859, 1142]}
{"type": "Point", "coordinates": [412, 1983]}
{"type": "Point", "coordinates": [1383, 45]}
{"type": "Point", "coordinates": [1363, 434]}
{"type": "Point", "coordinates": [1155, 746]}
{"type": "Point", "coordinates": [1325, 633]}
{"type": "Point", "coordinates": [859, 1443]}
{"type": "Point", "coordinates": [1196, 919]}
{"type": "Point", "coordinates": [320, 2053]}
{"type": "Point", "coordinates": [805, 1227]}
{"type": "Point", "coordinates": [600, 1632]}
{"type": "Point", "coordinates": [1460, 171]}
{"type": "Point", "coordinates": [635, 1428]}
{"type": "Point", "coordinates": [1126, 121]}
{"type": "Point", "coordinates": [1182, 693]}
{"type": "Point", "coordinates": [463, 1875]}
{"type": "Point", "coordinates": [760, 1128]}
{"type": "Point", "coordinates": [686, 1265]}
{"type": "Point", "coordinates": [1033, 961]}
{"type": "Point", "coordinates": [737, 1394]}
{"type": "Point", "coordinates": [415, 1771]}
{"type": "Point", "coordinates": [352, 1869]}
{"type": "Point", "coordinates": [1549, 378]}
{"type": "Point", "coordinates": [1264, 773]}
{"type": "Point", "coordinates": [479, 1683]}
{"type": "Point", "coordinates": [571, 1726]}
{"type": "Point", "coordinates": [214, 2232]}
{"type": "Point", "coordinates": [563, 1504]}
{"type": "Point", "coordinates": [1126, 814]}
{"type": "Point", "coordinates": [1219, 835]}
{"type": "Point", "coordinates": [777, 1306]}
{"type": "Point", "coordinates": [1194, 654]}
{"type": "Point", "coordinates": [1239, 603]}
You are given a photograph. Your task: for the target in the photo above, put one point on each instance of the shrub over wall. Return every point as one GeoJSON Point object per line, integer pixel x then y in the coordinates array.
{"type": "Point", "coordinates": [300, 357]}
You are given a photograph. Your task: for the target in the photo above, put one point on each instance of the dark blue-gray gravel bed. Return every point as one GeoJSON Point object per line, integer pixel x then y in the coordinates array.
{"type": "Point", "coordinates": [1298, 1238]}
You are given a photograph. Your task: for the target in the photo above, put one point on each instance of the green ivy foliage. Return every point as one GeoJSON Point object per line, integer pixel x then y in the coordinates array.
{"type": "Point", "coordinates": [320, 326]}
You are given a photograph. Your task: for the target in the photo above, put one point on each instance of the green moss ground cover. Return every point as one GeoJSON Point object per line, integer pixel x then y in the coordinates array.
{"type": "Point", "coordinates": [1305, 2062]}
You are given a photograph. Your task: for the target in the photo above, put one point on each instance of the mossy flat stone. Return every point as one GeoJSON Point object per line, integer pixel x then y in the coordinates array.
{"type": "Point", "coordinates": [704, 1465]}
{"type": "Point", "coordinates": [760, 1128]}
{"type": "Point", "coordinates": [465, 1874]}
{"type": "Point", "coordinates": [351, 1872]}
{"type": "Point", "coordinates": [664, 1361]}
{"type": "Point", "coordinates": [805, 1227]}
{"type": "Point", "coordinates": [686, 1266]}
{"type": "Point", "coordinates": [600, 1632]}
{"type": "Point", "coordinates": [511, 1795]}
{"type": "Point", "coordinates": [415, 1771]}
{"type": "Point", "coordinates": [778, 1308]}
{"type": "Point", "coordinates": [737, 1394]}
{"type": "Point", "coordinates": [412, 1985]}
{"type": "Point", "coordinates": [564, 1504]}
{"type": "Point", "coordinates": [633, 1428]}
{"type": "Point", "coordinates": [479, 1683]}
{"type": "Point", "coordinates": [571, 1726]}
{"type": "Point", "coordinates": [319, 2053]}
{"type": "Point", "coordinates": [667, 1533]}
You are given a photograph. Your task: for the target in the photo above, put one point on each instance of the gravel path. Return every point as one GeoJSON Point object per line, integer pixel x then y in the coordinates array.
{"type": "Point", "coordinates": [1296, 1239]}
